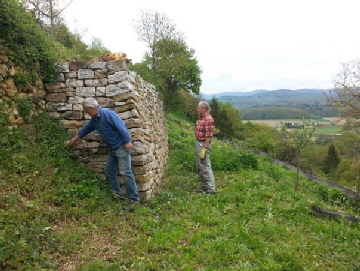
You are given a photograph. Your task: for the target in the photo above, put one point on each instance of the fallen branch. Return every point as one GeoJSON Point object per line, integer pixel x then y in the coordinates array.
{"type": "Point", "coordinates": [321, 212]}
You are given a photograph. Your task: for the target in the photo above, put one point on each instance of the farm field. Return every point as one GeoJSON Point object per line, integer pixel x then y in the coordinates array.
{"type": "Point", "coordinates": [326, 126]}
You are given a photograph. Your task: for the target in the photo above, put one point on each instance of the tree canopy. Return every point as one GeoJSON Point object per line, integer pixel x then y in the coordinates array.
{"type": "Point", "coordinates": [346, 92]}
{"type": "Point", "coordinates": [171, 63]}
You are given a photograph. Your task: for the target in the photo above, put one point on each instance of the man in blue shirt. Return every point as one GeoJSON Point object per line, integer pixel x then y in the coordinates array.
{"type": "Point", "coordinates": [114, 133]}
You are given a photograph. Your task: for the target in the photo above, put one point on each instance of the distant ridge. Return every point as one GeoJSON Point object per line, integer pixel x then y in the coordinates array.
{"type": "Point", "coordinates": [267, 93]}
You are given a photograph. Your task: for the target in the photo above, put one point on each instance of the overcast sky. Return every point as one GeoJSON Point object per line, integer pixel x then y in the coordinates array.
{"type": "Point", "coordinates": [240, 45]}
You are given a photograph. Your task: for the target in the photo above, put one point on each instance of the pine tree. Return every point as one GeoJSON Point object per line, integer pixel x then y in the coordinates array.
{"type": "Point", "coordinates": [331, 160]}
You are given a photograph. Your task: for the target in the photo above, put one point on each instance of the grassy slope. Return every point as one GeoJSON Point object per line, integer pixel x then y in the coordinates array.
{"type": "Point", "coordinates": [56, 215]}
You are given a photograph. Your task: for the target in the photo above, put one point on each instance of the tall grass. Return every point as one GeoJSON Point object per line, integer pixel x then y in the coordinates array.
{"type": "Point", "coordinates": [56, 215]}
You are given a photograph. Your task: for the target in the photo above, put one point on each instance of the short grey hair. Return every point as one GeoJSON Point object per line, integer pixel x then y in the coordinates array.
{"type": "Point", "coordinates": [90, 103]}
{"type": "Point", "coordinates": [205, 105]}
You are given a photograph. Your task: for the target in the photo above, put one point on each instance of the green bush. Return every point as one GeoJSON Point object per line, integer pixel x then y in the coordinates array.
{"type": "Point", "coordinates": [26, 109]}
{"type": "Point", "coordinates": [28, 44]}
{"type": "Point", "coordinates": [224, 157]}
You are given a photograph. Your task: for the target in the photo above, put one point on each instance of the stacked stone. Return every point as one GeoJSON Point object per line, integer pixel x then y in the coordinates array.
{"type": "Point", "coordinates": [137, 103]}
{"type": "Point", "coordinates": [8, 89]}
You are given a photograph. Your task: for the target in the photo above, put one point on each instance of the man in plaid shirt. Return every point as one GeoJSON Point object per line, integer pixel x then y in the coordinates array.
{"type": "Point", "coordinates": [204, 133]}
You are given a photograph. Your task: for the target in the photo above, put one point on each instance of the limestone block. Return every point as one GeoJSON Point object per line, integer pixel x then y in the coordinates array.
{"type": "Point", "coordinates": [78, 107]}
{"type": "Point", "coordinates": [60, 77]}
{"type": "Point", "coordinates": [146, 195]}
{"type": "Point", "coordinates": [63, 67]}
{"type": "Point", "coordinates": [132, 77]}
{"type": "Point", "coordinates": [72, 115]}
{"type": "Point", "coordinates": [126, 86]}
{"type": "Point", "coordinates": [56, 97]}
{"type": "Point", "coordinates": [118, 77]}
{"type": "Point", "coordinates": [55, 86]}
{"type": "Point", "coordinates": [126, 107]}
{"type": "Point", "coordinates": [85, 91]}
{"type": "Point", "coordinates": [39, 83]}
{"type": "Point", "coordinates": [140, 160]}
{"type": "Point", "coordinates": [77, 65]}
{"type": "Point", "coordinates": [86, 74]}
{"type": "Point", "coordinates": [138, 148]}
{"type": "Point", "coordinates": [92, 145]}
{"type": "Point", "coordinates": [144, 178]}
{"type": "Point", "coordinates": [100, 74]}
{"type": "Point", "coordinates": [72, 82]}
{"type": "Point", "coordinates": [97, 65]}
{"type": "Point", "coordinates": [129, 114]}
{"type": "Point", "coordinates": [100, 91]}
{"type": "Point", "coordinates": [133, 123]}
{"type": "Point", "coordinates": [75, 100]}
{"type": "Point", "coordinates": [125, 96]}
{"type": "Point", "coordinates": [3, 69]}
{"type": "Point", "coordinates": [141, 170]}
{"type": "Point", "coordinates": [71, 124]}
{"type": "Point", "coordinates": [117, 65]}
{"type": "Point", "coordinates": [4, 59]}
{"type": "Point", "coordinates": [112, 90]}
{"type": "Point", "coordinates": [59, 106]}
{"type": "Point", "coordinates": [95, 82]}
{"type": "Point", "coordinates": [72, 74]}
{"type": "Point", "coordinates": [143, 186]}
{"type": "Point", "coordinates": [9, 87]}
{"type": "Point", "coordinates": [54, 115]}
{"type": "Point", "coordinates": [106, 102]}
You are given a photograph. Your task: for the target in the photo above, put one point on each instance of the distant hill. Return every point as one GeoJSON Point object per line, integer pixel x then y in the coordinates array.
{"type": "Point", "coordinates": [286, 92]}
{"type": "Point", "coordinates": [236, 94]}
{"type": "Point", "coordinates": [312, 101]}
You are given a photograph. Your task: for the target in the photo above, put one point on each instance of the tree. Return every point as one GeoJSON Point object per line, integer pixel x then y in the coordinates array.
{"type": "Point", "coordinates": [177, 69]}
{"type": "Point", "coordinates": [47, 12]}
{"type": "Point", "coordinates": [346, 92]}
{"type": "Point", "coordinates": [331, 160]}
{"type": "Point", "coordinates": [142, 69]}
{"type": "Point", "coordinates": [299, 139]}
{"type": "Point", "coordinates": [227, 119]}
{"type": "Point", "coordinates": [151, 27]}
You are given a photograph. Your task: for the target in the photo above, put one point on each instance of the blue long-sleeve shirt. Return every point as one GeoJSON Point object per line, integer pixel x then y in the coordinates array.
{"type": "Point", "coordinates": [110, 127]}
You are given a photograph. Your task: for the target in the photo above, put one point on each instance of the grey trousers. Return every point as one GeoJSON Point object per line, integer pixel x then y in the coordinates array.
{"type": "Point", "coordinates": [203, 167]}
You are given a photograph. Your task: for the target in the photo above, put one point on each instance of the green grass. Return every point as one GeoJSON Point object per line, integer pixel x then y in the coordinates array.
{"type": "Point", "coordinates": [56, 215]}
{"type": "Point", "coordinates": [328, 129]}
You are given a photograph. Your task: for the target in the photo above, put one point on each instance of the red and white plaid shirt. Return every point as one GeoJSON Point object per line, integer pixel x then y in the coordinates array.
{"type": "Point", "coordinates": [205, 127]}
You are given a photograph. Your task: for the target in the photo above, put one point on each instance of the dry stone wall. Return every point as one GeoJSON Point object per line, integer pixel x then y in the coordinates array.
{"type": "Point", "coordinates": [114, 86]}
{"type": "Point", "coordinates": [136, 102]}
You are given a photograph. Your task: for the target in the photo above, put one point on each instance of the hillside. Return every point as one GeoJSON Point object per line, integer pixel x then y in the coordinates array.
{"type": "Point", "coordinates": [56, 215]}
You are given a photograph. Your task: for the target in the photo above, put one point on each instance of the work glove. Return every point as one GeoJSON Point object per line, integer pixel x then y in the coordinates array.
{"type": "Point", "coordinates": [202, 153]}
{"type": "Point", "coordinates": [68, 143]}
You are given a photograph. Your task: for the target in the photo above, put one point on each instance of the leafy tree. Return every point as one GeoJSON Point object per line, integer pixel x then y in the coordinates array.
{"type": "Point", "coordinates": [47, 12]}
{"type": "Point", "coordinates": [227, 119]}
{"type": "Point", "coordinates": [215, 107]}
{"type": "Point", "coordinates": [331, 161]}
{"type": "Point", "coordinates": [151, 27]}
{"type": "Point", "coordinates": [298, 139]}
{"type": "Point", "coordinates": [142, 69]}
{"type": "Point", "coordinates": [95, 49]}
{"type": "Point", "coordinates": [346, 92]}
{"type": "Point", "coordinates": [177, 69]}
{"type": "Point", "coordinates": [188, 105]}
